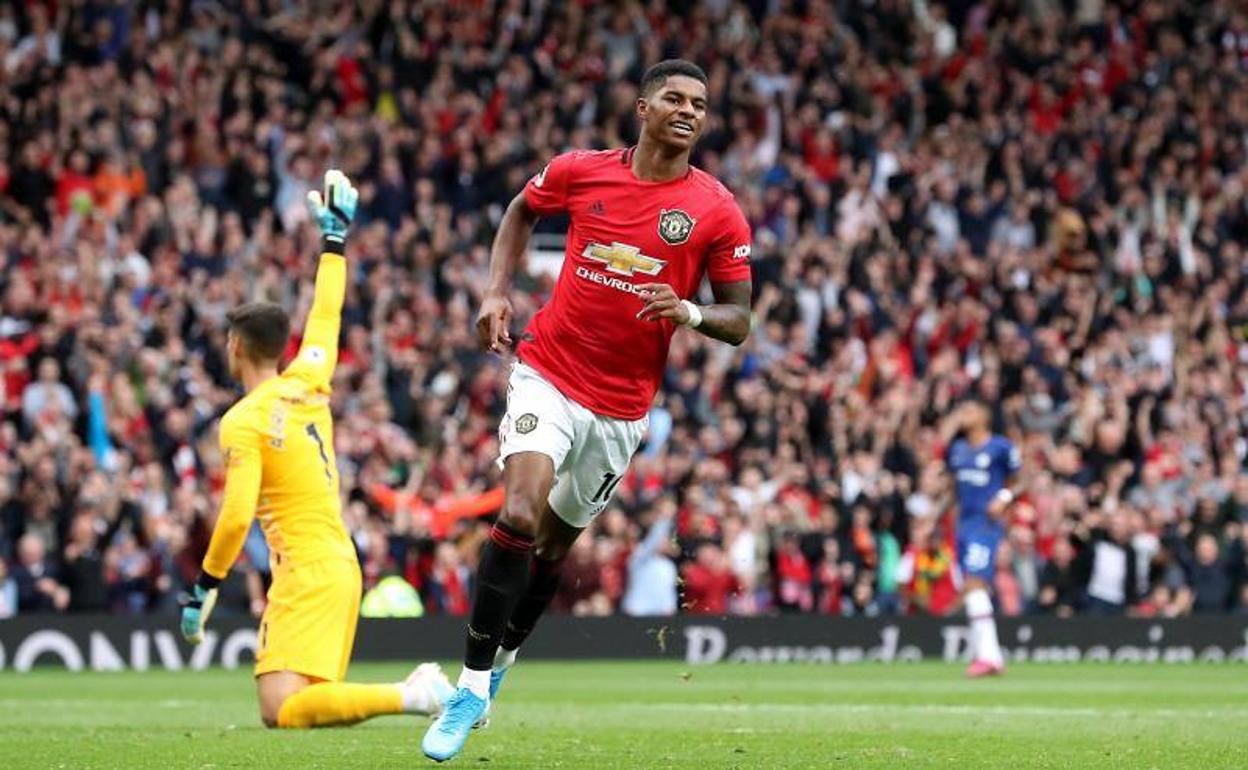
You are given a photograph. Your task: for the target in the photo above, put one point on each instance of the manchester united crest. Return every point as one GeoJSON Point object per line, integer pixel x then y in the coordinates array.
{"type": "Point", "coordinates": [525, 423]}
{"type": "Point", "coordinates": [675, 226]}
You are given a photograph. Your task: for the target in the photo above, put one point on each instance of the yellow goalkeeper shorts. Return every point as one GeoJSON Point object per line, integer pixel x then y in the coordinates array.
{"type": "Point", "coordinates": [309, 624]}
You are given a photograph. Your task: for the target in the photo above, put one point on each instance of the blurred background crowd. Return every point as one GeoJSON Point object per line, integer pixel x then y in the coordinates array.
{"type": "Point", "coordinates": [1037, 202]}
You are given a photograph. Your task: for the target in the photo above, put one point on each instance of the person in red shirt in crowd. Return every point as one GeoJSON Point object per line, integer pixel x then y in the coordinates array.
{"type": "Point", "coordinates": [15, 372]}
{"type": "Point", "coordinates": [822, 155]}
{"type": "Point", "coordinates": [793, 575]}
{"type": "Point", "coordinates": [74, 185]}
{"type": "Point", "coordinates": [928, 573]}
{"type": "Point", "coordinates": [709, 581]}
{"type": "Point", "coordinates": [831, 578]}
{"type": "Point", "coordinates": [447, 585]}
{"type": "Point", "coordinates": [646, 229]}
{"type": "Point", "coordinates": [862, 537]}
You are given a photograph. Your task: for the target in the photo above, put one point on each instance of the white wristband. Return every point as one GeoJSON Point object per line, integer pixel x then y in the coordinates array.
{"type": "Point", "coordinates": [695, 314]}
{"type": "Point", "coordinates": [1005, 496]}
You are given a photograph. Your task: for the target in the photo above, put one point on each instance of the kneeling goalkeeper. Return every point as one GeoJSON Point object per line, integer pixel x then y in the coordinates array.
{"type": "Point", "coordinates": [278, 447]}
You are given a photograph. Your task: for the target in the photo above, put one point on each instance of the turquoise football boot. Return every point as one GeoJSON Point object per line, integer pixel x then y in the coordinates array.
{"type": "Point", "coordinates": [447, 735]}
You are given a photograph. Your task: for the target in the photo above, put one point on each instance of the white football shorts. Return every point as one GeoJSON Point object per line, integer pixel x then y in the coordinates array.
{"type": "Point", "coordinates": [590, 452]}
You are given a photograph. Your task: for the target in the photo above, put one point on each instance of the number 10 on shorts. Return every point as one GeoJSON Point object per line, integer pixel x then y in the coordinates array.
{"type": "Point", "coordinates": [609, 482]}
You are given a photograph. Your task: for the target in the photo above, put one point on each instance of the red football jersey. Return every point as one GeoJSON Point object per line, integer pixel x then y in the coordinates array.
{"type": "Point", "coordinates": [624, 232]}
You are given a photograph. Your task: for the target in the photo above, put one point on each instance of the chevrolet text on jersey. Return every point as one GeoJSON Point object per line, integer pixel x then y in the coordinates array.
{"type": "Point", "coordinates": [606, 280]}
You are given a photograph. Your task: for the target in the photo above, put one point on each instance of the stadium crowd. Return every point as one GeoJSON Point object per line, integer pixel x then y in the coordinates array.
{"type": "Point", "coordinates": [1040, 203]}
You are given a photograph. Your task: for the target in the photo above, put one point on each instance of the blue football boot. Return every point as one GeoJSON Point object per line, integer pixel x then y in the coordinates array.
{"type": "Point", "coordinates": [447, 735]}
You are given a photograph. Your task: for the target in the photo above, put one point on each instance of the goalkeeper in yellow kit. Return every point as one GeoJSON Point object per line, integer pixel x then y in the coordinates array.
{"type": "Point", "coordinates": [278, 449]}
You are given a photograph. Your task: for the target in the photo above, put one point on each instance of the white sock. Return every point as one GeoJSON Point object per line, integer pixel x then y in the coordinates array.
{"type": "Point", "coordinates": [478, 682]}
{"type": "Point", "coordinates": [505, 659]}
{"type": "Point", "coordinates": [416, 698]}
{"type": "Point", "coordinates": [984, 644]}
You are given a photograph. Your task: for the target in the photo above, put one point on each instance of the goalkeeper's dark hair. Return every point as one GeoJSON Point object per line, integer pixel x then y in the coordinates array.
{"type": "Point", "coordinates": [658, 74]}
{"type": "Point", "coordinates": [263, 328]}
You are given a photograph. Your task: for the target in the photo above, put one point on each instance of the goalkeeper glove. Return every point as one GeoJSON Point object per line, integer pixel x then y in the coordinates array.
{"type": "Point", "coordinates": [334, 211]}
{"type": "Point", "coordinates": [198, 606]}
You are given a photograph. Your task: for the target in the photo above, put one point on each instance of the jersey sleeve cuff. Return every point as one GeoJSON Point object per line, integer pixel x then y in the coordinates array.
{"type": "Point", "coordinates": [207, 581]}
{"type": "Point", "coordinates": [732, 276]}
{"type": "Point", "coordinates": [537, 206]}
{"type": "Point", "coordinates": [330, 246]}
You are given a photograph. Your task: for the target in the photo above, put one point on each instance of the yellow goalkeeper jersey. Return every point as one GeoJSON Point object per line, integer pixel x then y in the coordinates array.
{"type": "Point", "coordinates": [278, 447]}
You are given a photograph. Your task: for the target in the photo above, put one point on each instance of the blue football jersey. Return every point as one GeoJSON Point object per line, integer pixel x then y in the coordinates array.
{"type": "Point", "coordinates": [980, 473]}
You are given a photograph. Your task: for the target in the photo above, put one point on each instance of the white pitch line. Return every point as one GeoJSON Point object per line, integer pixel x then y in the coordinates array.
{"type": "Point", "coordinates": [949, 709]}
{"type": "Point", "coordinates": [95, 703]}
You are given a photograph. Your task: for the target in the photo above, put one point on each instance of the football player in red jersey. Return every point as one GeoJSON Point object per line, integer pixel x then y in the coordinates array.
{"type": "Point", "coordinates": [646, 229]}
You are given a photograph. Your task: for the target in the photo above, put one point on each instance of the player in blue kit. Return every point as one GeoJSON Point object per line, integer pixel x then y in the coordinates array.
{"type": "Point", "coordinates": [983, 465]}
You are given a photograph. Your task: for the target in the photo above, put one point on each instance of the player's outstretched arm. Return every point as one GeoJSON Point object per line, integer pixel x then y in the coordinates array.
{"type": "Point", "coordinates": [332, 211]}
{"type": "Point", "coordinates": [241, 449]}
{"type": "Point", "coordinates": [727, 320]}
{"type": "Point", "coordinates": [494, 319]}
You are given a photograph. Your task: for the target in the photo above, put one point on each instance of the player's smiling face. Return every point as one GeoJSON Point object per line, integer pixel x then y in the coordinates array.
{"type": "Point", "coordinates": [676, 112]}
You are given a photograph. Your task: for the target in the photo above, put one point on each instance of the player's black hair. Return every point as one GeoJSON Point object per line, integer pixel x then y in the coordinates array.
{"type": "Point", "coordinates": [658, 74]}
{"type": "Point", "coordinates": [263, 327]}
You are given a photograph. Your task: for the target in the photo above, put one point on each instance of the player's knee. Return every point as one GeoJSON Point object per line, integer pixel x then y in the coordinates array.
{"type": "Point", "coordinates": [273, 695]}
{"type": "Point", "coordinates": [268, 714]}
{"type": "Point", "coordinates": [520, 512]}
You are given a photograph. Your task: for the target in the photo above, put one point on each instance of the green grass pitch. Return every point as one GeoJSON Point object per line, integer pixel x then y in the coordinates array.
{"type": "Point", "coordinates": [663, 716]}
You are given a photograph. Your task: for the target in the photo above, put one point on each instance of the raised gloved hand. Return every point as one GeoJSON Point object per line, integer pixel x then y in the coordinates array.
{"type": "Point", "coordinates": [334, 210]}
